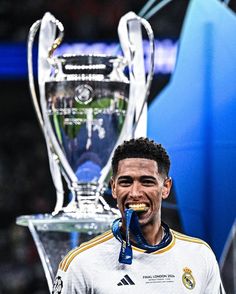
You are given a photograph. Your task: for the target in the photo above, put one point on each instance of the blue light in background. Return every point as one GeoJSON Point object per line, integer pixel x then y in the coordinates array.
{"type": "Point", "coordinates": [13, 56]}
{"type": "Point", "coordinates": [13, 62]}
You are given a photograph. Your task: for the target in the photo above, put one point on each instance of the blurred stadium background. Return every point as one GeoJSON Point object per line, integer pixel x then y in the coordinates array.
{"type": "Point", "coordinates": [25, 181]}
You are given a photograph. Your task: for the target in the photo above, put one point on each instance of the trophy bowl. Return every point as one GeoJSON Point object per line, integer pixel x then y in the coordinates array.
{"type": "Point", "coordinates": [86, 103]}
{"type": "Point", "coordinates": [86, 114]}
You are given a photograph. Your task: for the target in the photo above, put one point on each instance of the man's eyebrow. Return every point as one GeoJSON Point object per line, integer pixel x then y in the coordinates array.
{"type": "Point", "coordinates": [148, 178]}
{"type": "Point", "coordinates": [124, 178]}
{"type": "Point", "coordinates": [142, 178]}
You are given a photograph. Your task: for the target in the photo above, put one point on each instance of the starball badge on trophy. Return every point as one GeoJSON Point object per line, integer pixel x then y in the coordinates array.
{"type": "Point", "coordinates": [87, 105]}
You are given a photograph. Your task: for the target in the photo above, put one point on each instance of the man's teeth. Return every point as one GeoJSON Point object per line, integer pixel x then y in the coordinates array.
{"type": "Point", "coordinates": [138, 207]}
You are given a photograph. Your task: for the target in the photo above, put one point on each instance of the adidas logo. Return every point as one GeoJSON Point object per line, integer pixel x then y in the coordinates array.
{"type": "Point", "coordinates": [126, 281]}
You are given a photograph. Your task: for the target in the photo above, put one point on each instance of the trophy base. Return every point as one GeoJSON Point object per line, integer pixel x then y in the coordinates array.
{"type": "Point", "coordinates": [69, 222]}
{"type": "Point", "coordinates": [56, 235]}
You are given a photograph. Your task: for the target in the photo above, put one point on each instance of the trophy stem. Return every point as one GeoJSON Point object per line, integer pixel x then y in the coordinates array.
{"type": "Point", "coordinates": [86, 198]}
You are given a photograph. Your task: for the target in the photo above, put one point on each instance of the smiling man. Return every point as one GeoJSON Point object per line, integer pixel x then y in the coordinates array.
{"type": "Point", "coordinates": [141, 254]}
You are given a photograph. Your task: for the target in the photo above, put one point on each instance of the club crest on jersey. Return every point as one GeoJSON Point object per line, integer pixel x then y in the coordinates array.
{"type": "Point", "coordinates": [57, 286]}
{"type": "Point", "coordinates": [188, 279]}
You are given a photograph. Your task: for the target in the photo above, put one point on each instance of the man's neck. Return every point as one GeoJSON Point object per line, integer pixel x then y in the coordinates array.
{"type": "Point", "coordinates": [153, 234]}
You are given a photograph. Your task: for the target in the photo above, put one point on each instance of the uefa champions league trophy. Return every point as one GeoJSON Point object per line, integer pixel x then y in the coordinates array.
{"type": "Point", "coordinates": [87, 106]}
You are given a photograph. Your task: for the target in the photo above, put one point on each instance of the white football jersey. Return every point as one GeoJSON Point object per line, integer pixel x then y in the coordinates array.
{"type": "Point", "coordinates": [186, 265]}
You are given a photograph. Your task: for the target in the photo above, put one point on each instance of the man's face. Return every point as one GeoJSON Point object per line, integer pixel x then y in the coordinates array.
{"type": "Point", "coordinates": [140, 186]}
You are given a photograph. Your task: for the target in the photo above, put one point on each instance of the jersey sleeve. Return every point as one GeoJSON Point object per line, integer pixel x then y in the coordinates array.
{"type": "Point", "coordinates": [67, 282]}
{"type": "Point", "coordinates": [213, 281]}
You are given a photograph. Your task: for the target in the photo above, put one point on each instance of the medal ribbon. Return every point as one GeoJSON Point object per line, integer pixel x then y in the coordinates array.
{"type": "Point", "coordinates": [132, 225]}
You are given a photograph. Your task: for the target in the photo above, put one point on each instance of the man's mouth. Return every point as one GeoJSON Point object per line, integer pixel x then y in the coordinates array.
{"type": "Point", "coordinates": [139, 207]}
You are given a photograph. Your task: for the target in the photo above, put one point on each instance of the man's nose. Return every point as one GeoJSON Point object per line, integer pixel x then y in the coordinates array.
{"type": "Point", "coordinates": [135, 190]}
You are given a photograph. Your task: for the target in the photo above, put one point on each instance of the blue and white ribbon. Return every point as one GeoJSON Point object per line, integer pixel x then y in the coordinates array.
{"type": "Point", "coordinates": [132, 226]}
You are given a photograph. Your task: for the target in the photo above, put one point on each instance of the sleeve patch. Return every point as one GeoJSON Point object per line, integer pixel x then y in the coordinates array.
{"type": "Point", "coordinates": [57, 286]}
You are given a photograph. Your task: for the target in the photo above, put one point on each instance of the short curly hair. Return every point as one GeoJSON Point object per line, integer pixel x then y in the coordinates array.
{"type": "Point", "coordinates": [142, 148]}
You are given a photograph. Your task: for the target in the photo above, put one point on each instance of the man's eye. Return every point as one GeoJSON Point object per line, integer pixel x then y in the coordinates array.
{"type": "Point", "coordinates": [148, 183]}
{"type": "Point", "coordinates": [124, 183]}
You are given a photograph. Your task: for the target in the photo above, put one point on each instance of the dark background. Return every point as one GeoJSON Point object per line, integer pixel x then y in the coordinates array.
{"type": "Point", "coordinates": [25, 181]}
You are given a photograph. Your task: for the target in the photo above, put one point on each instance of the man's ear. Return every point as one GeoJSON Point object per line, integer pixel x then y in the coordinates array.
{"type": "Point", "coordinates": [166, 187]}
{"type": "Point", "coordinates": [113, 187]}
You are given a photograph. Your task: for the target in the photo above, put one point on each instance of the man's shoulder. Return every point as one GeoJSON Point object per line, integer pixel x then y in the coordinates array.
{"type": "Point", "coordinates": [86, 249]}
{"type": "Point", "coordinates": [189, 239]}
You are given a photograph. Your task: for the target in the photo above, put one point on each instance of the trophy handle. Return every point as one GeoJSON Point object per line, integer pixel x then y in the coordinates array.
{"type": "Point", "coordinates": [53, 158]}
{"type": "Point", "coordinates": [47, 45]}
{"type": "Point", "coordinates": [131, 40]}
{"type": "Point", "coordinates": [32, 32]}
{"type": "Point", "coordinates": [150, 75]}
{"type": "Point", "coordinates": [59, 39]}
{"type": "Point", "coordinates": [129, 46]}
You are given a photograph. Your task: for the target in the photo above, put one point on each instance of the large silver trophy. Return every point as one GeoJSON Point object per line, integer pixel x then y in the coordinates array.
{"type": "Point", "coordinates": [88, 105]}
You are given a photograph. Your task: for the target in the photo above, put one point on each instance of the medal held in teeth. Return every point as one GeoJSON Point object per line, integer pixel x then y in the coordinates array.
{"type": "Point", "coordinates": [138, 207]}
